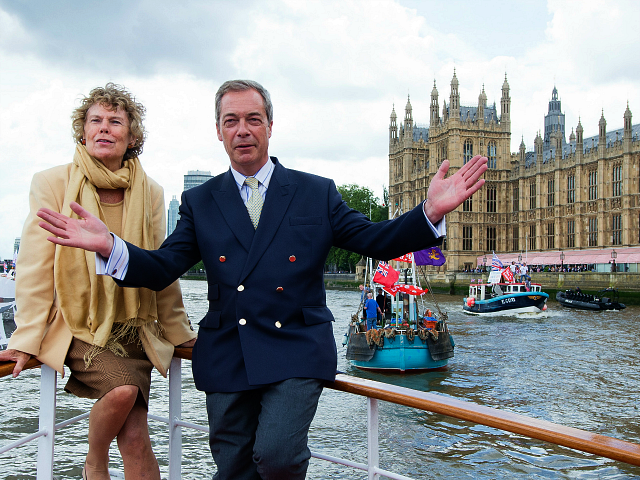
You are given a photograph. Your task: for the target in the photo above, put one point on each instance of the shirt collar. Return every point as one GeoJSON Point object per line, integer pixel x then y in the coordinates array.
{"type": "Point", "coordinates": [263, 175]}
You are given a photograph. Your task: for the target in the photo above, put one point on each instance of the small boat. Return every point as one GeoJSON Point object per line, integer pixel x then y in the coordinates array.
{"type": "Point", "coordinates": [606, 299]}
{"type": "Point", "coordinates": [408, 342]}
{"type": "Point", "coordinates": [504, 299]}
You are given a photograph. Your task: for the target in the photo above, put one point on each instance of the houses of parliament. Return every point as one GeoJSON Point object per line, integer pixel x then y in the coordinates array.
{"type": "Point", "coordinates": [580, 194]}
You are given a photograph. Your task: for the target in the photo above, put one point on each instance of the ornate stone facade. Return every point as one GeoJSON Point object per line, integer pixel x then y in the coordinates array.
{"type": "Point", "coordinates": [580, 194]}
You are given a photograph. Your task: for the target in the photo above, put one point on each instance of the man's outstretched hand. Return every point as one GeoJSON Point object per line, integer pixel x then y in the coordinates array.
{"type": "Point", "coordinates": [445, 194]}
{"type": "Point", "coordinates": [87, 232]}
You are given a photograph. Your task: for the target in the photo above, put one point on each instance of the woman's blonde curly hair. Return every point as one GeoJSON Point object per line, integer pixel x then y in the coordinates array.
{"type": "Point", "coordinates": [113, 96]}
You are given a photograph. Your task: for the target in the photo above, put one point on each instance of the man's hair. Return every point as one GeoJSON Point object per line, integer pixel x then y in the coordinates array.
{"type": "Point", "coordinates": [241, 86]}
{"type": "Point", "coordinates": [112, 96]}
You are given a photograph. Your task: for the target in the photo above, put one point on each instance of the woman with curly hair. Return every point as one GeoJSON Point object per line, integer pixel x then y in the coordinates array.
{"type": "Point", "coordinates": [109, 337]}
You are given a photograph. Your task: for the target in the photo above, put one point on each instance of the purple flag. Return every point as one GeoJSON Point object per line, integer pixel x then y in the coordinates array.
{"type": "Point", "coordinates": [429, 256]}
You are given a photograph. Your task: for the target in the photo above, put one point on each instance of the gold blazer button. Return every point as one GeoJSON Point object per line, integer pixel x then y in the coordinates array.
{"type": "Point", "coordinates": [278, 325]}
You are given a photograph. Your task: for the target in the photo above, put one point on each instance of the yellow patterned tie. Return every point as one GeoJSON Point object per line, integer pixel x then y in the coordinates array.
{"type": "Point", "coordinates": [254, 204]}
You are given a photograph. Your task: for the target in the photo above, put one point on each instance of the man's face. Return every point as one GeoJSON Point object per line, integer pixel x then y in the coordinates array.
{"type": "Point", "coordinates": [244, 130]}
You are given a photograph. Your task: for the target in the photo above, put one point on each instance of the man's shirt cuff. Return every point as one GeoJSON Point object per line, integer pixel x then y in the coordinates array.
{"type": "Point", "coordinates": [440, 228]}
{"type": "Point", "coordinates": [118, 262]}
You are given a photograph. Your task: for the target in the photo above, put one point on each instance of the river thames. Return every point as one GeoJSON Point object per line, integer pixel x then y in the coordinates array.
{"type": "Point", "coordinates": [574, 368]}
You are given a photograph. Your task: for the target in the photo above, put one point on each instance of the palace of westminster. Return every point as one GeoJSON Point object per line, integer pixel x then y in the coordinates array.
{"type": "Point", "coordinates": [577, 195]}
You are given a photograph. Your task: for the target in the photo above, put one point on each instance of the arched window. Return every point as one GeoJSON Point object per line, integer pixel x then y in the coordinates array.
{"type": "Point", "coordinates": [468, 150]}
{"type": "Point", "coordinates": [491, 155]}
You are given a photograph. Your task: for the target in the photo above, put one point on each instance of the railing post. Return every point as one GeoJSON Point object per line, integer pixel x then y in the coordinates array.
{"type": "Point", "coordinates": [373, 454]}
{"type": "Point", "coordinates": [175, 409]}
{"type": "Point", "coordinates": [47, 423]}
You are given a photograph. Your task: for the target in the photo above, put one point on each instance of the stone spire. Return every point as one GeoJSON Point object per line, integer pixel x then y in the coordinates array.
{"type": "Point", "coordinates": [434, 105]}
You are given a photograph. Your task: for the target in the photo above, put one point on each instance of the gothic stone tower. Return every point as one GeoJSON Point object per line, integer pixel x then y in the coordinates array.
{"type": "Point", "coordinates": [417, 151]}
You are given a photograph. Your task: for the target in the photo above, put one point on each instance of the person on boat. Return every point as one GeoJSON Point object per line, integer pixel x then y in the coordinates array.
{"type": "Point", "coordinates": [381, 300]}
{"type": "Point", "coordinates": [372, 310]}
{"type": "Point", "coordinates": [69, 315]}
{"type": "Point", "coordinates": [266, 345]}
{"type": "Point", "coordinates": [514, 270]}
{"type": "Point", "coordinates": [524, 273]}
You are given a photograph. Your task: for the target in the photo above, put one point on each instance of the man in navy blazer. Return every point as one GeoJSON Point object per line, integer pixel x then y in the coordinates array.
{"type": "Point", "coordinates": [266, 345]}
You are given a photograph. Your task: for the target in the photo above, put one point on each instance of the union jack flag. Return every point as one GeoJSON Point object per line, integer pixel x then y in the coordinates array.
{"type": "Point", "coordinates": [496, 264]}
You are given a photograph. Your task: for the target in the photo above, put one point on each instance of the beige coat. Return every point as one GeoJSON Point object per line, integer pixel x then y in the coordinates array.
{"type": "Point", "coordinates": [41, 331]}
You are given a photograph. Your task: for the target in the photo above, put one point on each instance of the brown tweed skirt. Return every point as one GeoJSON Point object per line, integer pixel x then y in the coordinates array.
{"type": "Point", "coordinates": [107, 371]}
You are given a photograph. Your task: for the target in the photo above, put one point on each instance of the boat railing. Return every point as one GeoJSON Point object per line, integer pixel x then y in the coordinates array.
{"type": "Point", "coordinates": [574, 438]}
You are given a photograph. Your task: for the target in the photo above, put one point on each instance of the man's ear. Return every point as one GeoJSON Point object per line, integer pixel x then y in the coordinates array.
{"type": "Point", "coordinates": [218, 132]}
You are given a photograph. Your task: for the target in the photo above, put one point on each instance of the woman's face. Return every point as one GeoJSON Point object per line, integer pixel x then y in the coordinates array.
{"type": "Point", "coordinates": [107, 135]}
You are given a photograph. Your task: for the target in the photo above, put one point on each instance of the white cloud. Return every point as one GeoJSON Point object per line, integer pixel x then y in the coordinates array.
{"type": "Point", "coordinates": [334, 69]}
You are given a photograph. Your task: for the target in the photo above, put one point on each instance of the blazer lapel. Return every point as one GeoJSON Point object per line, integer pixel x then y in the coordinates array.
{"type": "Point", "coordinates": [279, 196]}
{"type": "Point", "coordinates": [234, 211]}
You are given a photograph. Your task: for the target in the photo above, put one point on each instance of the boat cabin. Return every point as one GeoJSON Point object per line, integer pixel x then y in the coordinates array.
{"type": "Point", "coordinates": [483, 291]}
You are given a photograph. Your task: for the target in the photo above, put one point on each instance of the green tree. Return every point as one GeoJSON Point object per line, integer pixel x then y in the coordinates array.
{"type": "Point", "coordinates": [363, 200]}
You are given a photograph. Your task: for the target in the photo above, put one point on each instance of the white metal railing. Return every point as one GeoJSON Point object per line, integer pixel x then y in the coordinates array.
{"type": "Point", "coordinates": [47, 429]}
{"type": "Point", "coordinates": [374, 391]}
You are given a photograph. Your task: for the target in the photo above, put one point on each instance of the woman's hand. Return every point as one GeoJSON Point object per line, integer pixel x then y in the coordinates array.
{"type": "Point", "coordinates": [87, 232]}
{"type": "Point", "coordinates": [12, 355]}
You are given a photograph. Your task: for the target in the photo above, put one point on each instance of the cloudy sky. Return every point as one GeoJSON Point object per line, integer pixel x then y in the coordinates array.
{"type": "Point", "coordinates": [334, 69]}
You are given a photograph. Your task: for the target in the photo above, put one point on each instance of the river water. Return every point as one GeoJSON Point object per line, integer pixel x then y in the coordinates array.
{"type": "Point", "coordinates": [574, 368]}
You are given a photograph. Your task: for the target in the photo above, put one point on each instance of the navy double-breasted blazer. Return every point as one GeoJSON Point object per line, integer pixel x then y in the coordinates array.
{"type": "Point", "coordinates": [268, 319]}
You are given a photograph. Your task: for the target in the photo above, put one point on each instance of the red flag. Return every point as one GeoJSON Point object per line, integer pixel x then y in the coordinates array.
{"type": "Point", "coordinates": [508, 275]}
{"type": "Point", "coordinates": [410, 289]}
{"type": "Point", "coordinates": [407, 257]}
{"type": "Point", "coordinates": [385, 274]}
{"type": "Point", "coordinates": [392, 290]}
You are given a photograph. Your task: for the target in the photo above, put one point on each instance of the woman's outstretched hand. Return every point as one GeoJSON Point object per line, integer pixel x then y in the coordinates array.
{"type": "Point", "coordinates": [88, 232]}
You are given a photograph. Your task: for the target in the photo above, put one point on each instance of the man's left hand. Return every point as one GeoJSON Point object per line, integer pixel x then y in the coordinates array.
{"type": "Point", "coordinates": [445, 194]}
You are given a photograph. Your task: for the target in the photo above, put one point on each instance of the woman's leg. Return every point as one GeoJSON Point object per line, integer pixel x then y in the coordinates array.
{"type": "Point", "coordinates": [109, 419]}
{"type": "Point", "coordinates": [135, 445]}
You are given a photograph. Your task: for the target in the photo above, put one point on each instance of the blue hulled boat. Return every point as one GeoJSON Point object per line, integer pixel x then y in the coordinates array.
{"type": "Point", "coordinates": [401, 350]}
{"type": "Point", "coordinates": [504, 299]}
{"type": "Point", "coordinates": [408, 341]}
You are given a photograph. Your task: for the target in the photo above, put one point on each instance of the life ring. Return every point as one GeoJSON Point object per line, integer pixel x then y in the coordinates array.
{"type": "Point", "coordinates": [471, 301]}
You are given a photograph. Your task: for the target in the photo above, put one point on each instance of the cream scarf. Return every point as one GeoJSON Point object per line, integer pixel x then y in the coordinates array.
{"type": "Point", "coordinates": [88, 301]}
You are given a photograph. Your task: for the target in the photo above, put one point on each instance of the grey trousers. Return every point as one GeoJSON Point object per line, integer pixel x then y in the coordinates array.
{"type": "Point", "coordinates": [262, 434]}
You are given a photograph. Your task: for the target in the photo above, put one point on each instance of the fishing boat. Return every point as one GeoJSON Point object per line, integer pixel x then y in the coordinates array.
{"type": "Point", "coordinates": [606, 299]}
{"type": "Point", "coordinates": [504, 299]}
{"type": "Point", "coordinates": [408, 342]}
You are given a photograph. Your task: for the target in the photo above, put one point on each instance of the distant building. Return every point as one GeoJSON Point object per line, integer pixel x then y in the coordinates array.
{"type": "Point", "coordinates": [575, 195]}
{"type": "Point", "coordinates": [172, 215]}
{"type": "Point", "coordinates": [16, 245]}
{"type": "Point", "coordinates": [194, 178]}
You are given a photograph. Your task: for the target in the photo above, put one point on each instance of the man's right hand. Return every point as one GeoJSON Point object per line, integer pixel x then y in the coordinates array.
{"type": "Point", "coordinates": [88, 232]}
{"type": "Point", "coordinates": [12, 355]}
